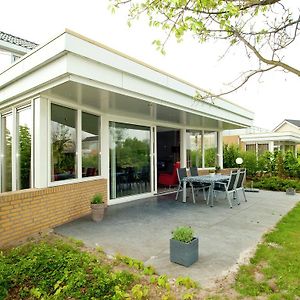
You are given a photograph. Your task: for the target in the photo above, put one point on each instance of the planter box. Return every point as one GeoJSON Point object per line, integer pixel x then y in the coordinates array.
{"type": "Point", "coordinates": [184, 254]}
{"type": "Point", "coordinates": [290, 191]}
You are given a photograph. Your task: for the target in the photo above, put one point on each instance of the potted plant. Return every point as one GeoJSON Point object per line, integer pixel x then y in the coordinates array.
{"type": "Point", "coordinates": [217, 169]}
{"type": "Point", "coordinates": [97, 207]}
{"type": "Point", "coordinates": [184, 246]}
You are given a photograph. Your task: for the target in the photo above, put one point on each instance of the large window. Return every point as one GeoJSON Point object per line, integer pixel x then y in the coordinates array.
{"type": "Point", "coordinates": [129, 159]}
{"type": "Point", "coordinates": [194, 149]}
{"type": "Point", "coordinates": [16, 149]}
{"type": "Point", "coordinates": [6, 153]}
{"type": "Point", "coordinates": [210, 149]}
{"type": "Point", "coordinates": [90, 145]}
{"type": "Point", "coordinates": [262, 148]}
{"type": "Point", "coordinates": [63, 143]}
{"type": "Point", "coordinates": [24, 123]}
{"type": "Point", "coordinates": [251, 148]}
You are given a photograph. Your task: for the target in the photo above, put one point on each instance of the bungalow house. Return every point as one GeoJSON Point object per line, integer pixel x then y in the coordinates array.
{"type": "Point", "coordinates": [284, 137]}
{"type": "Point", "coordinates": [79, 118]}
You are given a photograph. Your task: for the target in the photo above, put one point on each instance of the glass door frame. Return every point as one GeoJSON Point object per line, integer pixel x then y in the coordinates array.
{"type": "Point", "coordinates": [152, 129]}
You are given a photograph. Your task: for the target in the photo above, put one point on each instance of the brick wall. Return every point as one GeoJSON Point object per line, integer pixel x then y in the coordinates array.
{"type": "Point", "coordinates": [27, 212]}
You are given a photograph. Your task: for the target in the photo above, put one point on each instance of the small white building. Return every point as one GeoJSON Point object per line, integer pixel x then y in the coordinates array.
{"type": "Point", "coordinates": [12, 48]}
{"type": "Point", "coordinates": [79, 118]}
{"type": "Point", "coordinates": [286, 136]}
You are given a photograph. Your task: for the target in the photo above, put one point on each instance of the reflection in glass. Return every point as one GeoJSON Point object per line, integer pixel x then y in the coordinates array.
{"type": "Point", "coordinates": [193, 149]}
{"type": "Point", "coordinates": [210, 149]}
{"type": "Point", "coordinates": [129, 160]}
{"type": "Point", "coordinates": [90, 145]}
{"type": "Point", "coordinates": [63, 143]}
{"type": "Point", "coordinates": [6, 144]}
{"type": "Point", "coordinates": [24, 148]}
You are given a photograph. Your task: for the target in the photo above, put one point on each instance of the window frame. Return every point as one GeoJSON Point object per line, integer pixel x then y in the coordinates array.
{"type": "Point", "coordinates": [13, 111]}
{"type": "Point", "coordinates": [78, 111]}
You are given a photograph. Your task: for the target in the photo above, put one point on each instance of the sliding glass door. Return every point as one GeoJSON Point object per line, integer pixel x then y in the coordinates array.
{"type": "Point", "coordinates": [130, 159]}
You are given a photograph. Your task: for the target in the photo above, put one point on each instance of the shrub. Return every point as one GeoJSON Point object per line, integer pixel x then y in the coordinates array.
{"type": "Point", "coordinates": [184, 234]}
{"type": "Point", "coordinates": [230, 154]}
{"type": "Point", "coordinates": [276, 183]}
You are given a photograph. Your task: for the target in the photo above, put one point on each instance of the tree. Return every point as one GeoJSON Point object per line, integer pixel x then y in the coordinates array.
{"type": "Point", "coordinates": [266, 28]}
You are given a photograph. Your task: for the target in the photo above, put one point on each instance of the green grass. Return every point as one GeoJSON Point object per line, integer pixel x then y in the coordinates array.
{"type": "Point", "coordinates": [274, 271]}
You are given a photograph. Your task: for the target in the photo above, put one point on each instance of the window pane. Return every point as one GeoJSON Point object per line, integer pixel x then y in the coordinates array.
{"type": "Point", "coordinates": [129, 159]}
{"type": "Point", "coordinates": [210, 149]}
{"type": "Point", "coordinates": [262, 148]}
{"type": "Point", "coordinates": [6, 174]}
{"type": "Point", "coordinates": [193, 149]}
{"type": "Point", "coordinates": [90, 145]}
{"type": "Point", "coordinates": [24, 148]}
{"type": "Point", "coordinates": [250, 148]}
{"type": "Point", "coordinates": [63, 143]}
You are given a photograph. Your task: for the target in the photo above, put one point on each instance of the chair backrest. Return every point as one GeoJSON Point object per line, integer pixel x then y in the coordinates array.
{"type": "Point", "coordinates": [232, 181]}
{"type": "Point", "coordinates": [181, 172]}
{"type": "Point", "coordinates": [240, 180]}
{"type": "Point", "coordinates": [194, 171]}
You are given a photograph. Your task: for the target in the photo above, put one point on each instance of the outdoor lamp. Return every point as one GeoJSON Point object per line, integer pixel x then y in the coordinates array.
{"type": "Point", "coordinates": [239, 161]}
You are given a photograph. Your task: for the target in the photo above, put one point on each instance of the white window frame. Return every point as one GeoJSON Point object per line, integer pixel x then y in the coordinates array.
{"type": "Point", "coordinates": [78, 159]}
{"type": "Point", "coordinates": [13, 111]}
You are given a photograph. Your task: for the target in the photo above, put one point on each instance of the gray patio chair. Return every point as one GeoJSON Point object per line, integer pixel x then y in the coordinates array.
{"type": "Point", "coordinates": [240, 183]}
{"type": "Point", "coordinates": [198, 185]}
{"type": "Point", "coordinates": [182, 173]}
{"type": "Point", "coordinates": [227, 187]}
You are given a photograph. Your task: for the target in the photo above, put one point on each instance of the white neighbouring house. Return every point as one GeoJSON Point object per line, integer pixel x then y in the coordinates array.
{"type": "Point", "coordinates": [284, 137]}
{"type": "Point", "coordinates": [12, 48]}
{"type": "Point", "coordinates": [78, 117]}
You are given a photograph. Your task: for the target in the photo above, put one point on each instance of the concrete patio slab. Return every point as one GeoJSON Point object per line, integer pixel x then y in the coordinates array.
{"type": "Point", "coordinates": [141, 229]}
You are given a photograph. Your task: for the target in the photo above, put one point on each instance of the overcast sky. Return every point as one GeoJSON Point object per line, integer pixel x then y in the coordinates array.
{"type": "Point", "coordinates": [274, 98]}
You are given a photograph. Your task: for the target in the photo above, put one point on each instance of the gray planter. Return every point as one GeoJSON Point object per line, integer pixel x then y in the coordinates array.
{"type": "Point", "coordinates": [184, 254]}
{"type": "Point", "coordinates": [290, 191]}
{"type": "Point", "coordinates": [97, 211]}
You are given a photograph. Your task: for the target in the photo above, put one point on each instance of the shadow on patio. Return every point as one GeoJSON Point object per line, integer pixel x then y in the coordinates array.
{"type": "Point", "coordinates": [141, 229]}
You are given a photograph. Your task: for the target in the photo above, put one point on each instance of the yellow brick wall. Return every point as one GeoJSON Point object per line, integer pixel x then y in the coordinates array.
{"type": "Point", "coordinates": [25, 213]}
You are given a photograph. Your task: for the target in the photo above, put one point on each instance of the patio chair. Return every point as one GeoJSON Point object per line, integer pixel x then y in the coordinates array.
{"type": "Point", "coordinates": [227, 187]}
{"type": "Point", "coordinates": [240, 183]}
{"type": "Point", "coordinates": [182, 173]}
{"type": "Point", "coordinates": [198, 185]}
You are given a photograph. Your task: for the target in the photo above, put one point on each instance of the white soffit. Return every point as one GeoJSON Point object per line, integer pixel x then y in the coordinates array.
{"type": "Point", "coordinates": [71, 54]}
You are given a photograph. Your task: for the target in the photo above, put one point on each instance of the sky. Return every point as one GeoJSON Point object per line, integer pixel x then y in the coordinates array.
{"type": "Point", "coordinates": [272, 98]}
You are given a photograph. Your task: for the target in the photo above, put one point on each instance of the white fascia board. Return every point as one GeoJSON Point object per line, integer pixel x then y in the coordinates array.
{"type": "Point", "coordinates": [33, 60]}
{"type": "Point", "coordinates": [16, 49]}
{"type": "Point", "coordinates": [33, 82]}
{"type": "Point", "coordinates": [272, 136]}
{"type": "Point", "coordinates": [142, 88]}
{"type": "Point", "coordinates": [128, 66]}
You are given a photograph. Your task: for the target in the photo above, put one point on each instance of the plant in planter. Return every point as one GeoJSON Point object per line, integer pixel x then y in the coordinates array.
{"type": "Point", "coordinates": [184, 246]}
{"type": "Point", "coordinates": [217, 169]}
{"type": "Point", "coordinates": [97, 207]}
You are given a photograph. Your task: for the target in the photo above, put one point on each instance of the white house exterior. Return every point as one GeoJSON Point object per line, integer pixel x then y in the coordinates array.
{"type": "Point", "coordinates": [12, 48]}
{"type": "Point", "coordinates": [93, 117]}
{"type": "Point", "coordinates": [286, 136]}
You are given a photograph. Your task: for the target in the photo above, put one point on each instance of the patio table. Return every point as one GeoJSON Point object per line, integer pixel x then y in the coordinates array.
{"type": "Point", "coordinates": [210, 179]}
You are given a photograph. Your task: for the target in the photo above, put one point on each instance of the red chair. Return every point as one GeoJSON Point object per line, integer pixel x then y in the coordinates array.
{"type": "Point", "coordinates": [169, 179]}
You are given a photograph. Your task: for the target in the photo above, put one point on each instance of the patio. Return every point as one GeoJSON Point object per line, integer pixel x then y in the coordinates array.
{"type": "Point", "coordinates": [141, 229]}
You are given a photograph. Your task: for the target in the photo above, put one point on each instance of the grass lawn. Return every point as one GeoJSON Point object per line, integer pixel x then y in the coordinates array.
{"type": "Point", "coordinates": [57, 268]}
{"type": "Point", "coordinates": [274, 271]}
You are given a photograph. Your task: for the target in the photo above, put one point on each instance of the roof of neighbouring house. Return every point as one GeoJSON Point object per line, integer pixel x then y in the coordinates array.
{"type": "Point", "coordinates": [294, 122]}
{"type": "Point", "coordinates": [17, 41]}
